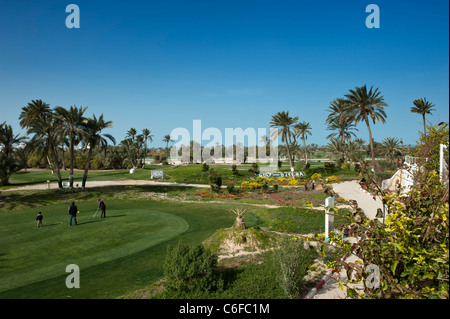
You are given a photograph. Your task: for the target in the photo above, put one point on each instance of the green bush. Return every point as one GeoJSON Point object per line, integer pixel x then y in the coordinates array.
{"type": "Point", "coordinates": [190, 270]}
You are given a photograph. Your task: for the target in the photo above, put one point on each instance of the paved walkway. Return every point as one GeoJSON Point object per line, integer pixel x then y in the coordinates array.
{"type": "Point", "coordinates": [349, 190]}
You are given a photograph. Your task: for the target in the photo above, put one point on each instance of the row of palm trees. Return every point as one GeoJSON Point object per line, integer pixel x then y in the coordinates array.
{"type": "Point", "coordinates": [290, 130]}
{"type": "Point", "coordinates": [359, 105]}
{"type": "Point", "coordinates": [51, 128]}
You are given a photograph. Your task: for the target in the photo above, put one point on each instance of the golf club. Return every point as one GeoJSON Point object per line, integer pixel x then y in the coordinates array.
{"type": "Point", "coordinates": [95, 213]}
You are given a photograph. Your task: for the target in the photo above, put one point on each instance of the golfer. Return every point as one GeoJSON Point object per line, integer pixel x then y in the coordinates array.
{"type": "Point", "coordinates": [73, 209]}
{"type": "Point", "coordinates": [102, 207]}
{"type": "Point", "coordinates": [38, 219]}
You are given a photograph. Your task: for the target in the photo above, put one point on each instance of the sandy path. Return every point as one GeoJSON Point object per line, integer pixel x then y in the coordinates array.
{"type": "Point", "coordinates": [106, 183]}
{"type": "Point", "coordinates": [352, 190]}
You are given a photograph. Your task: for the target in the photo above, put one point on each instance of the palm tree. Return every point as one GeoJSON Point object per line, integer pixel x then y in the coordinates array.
{"type": "Point", "coordinates": [93, 138]}
{"type": "Point", "coordinates": [147, 136]}
{"type": "Point", "coordinates": [391, 147]}
{"type": "Point", "coordinates": [130, 143]}
{"type": "Point", "coordinates": [303, 129]}
{"type": "Point", "coordinates": [284, 122]}
{"type": "Point", "coordinates": [362, 105]}
{"type": "Point", "coordinates": [337, 150]}
{"type": "Point", "coordinates": [72, 122]}
{"type": "Point", "coordinates": [343, 130]}
{"type": "Point", "coordinates": [40, 120]}
{"type": "Point", "coordinates": [8, 161]}
{"type": "Point", "coordinates": [167, 140]}
{"type": "Point", "coordinates": [422, 106]}
{"type": "Point", "coordinates": [339, 119]}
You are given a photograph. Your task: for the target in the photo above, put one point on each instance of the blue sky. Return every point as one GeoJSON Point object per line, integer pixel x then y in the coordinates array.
{"type": "Point", "coordinates": [162, 64]}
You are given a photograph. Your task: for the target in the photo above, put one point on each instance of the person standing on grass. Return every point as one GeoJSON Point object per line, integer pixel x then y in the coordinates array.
{"type": "Point", "coordinates": [102, 207]}
{"type": "Point", "coordinates": [73, 209]}
{"type": "Point", "coordinates": [39, 219]}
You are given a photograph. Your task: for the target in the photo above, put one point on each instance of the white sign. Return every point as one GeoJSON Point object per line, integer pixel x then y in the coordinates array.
{"type": "Point", "coordinates": [158, 173]}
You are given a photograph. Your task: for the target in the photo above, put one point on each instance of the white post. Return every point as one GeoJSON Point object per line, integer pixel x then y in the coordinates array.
{"type": "Point", "coordinates": [329, 219]}
{"type": "Point", "coordinates": [441, 161]}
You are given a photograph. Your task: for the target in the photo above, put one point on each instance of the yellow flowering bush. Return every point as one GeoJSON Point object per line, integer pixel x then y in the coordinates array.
{"type": "Point", "coordinates": [250, 185]}
{"type": "Point", "coordinates": [332, 179]}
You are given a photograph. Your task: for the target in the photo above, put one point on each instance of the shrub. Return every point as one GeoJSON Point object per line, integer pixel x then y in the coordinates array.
{"type": "Point", "coordinates": [230, 189]}
{"type": "Point", "coordinates": [205, 167]}
{"type": "Point", "coordinates": [190, 269]}
{"type": "Point", "coordinates": [215, 181]}
{"type": "Point", "coordinates": [234, 169]}
{"type": "Point", "coordinates": [254, 169]}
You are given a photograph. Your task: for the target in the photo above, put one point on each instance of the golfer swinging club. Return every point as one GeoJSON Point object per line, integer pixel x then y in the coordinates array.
{"type": "Point", "coordinates": [102, 207]}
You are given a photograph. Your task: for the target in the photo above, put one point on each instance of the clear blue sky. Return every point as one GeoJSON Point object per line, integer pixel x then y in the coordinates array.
{"type": "Point", "coordinates": [162, 64]}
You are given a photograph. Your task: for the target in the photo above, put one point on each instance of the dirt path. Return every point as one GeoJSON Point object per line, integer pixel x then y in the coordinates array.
{"type": "Point", "coordinates": [105, 183]}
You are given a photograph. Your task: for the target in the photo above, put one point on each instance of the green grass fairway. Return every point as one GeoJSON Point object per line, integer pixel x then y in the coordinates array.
{"type": "Point", "coordinates": [116, 255]}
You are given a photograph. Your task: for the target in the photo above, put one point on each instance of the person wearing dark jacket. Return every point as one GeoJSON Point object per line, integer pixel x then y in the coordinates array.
{"type": "Point", "coordinates": [102, 207]}
{"type": "Point", "coordinates": [38, 219]}
{"type": "Point", "coordinates": [73, 209]}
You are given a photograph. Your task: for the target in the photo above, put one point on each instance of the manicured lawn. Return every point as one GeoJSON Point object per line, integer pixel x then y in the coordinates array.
{"type": "Point", "coordinates": [118, 254]}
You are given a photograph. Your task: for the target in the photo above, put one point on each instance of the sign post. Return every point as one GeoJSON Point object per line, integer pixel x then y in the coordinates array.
{"type": "Point", "coordinates": [329, 218]}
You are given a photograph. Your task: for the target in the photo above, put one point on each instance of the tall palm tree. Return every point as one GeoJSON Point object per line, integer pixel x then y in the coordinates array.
{"type": "Point", "coordinates": [339, 119]}
{"type": "Point", "coordinates": [167, 140]}
{"type": "Point", "coordinates": [72, 121]}
{"type": "Point", "coordinates": [40, 120]}
{"type": "Point", "coordinates": [130, 144]}
{"type": "Point", "coordinates": [303, 129]}
{"type": "Point", "coordinates": [284, 122]}
{"type": "Point", "coordinates": [147, 137]}
{"type": "Point", "coordinates": [423, 107]}
{"type": "Point", "coordinates": [391, 147]}
{"type": "Point", "coordinates": [344, 130]}
{"type": "Point", "coordinates": [362, 105]}
{"type": "Point", "coordinates": [93, 138]}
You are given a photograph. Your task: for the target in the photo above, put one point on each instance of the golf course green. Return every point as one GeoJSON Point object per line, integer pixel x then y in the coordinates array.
{"type": "Point", "coordinates": [118, 254]}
